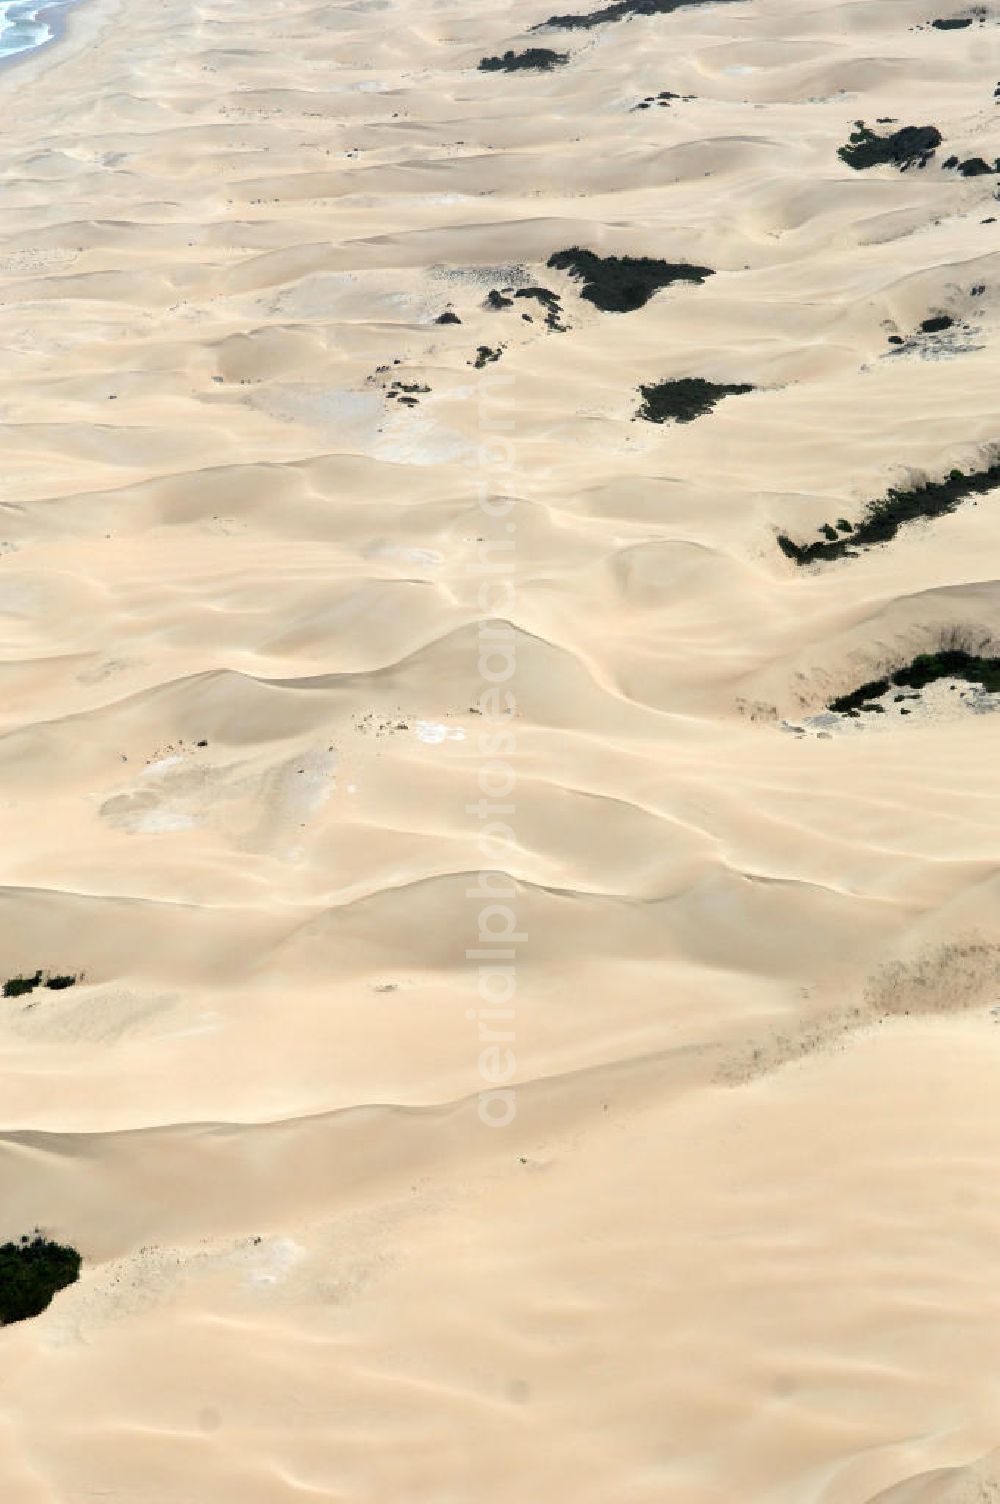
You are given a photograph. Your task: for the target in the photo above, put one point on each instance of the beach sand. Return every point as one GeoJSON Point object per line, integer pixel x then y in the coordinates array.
{"type": "Point", "coordinates": [737, 1243]}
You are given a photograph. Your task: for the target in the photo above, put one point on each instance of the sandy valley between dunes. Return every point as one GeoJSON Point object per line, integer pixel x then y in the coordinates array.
{"type": "Point", "coordinates": [739, 1244]}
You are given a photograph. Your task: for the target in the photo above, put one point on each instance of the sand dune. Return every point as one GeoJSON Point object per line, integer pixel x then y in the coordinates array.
{"type": "Point", "coordinates": [297, 581]}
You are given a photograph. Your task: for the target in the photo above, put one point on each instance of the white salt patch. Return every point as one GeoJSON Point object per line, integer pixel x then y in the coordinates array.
{"type": "Point", "coordinates": [432, 732]}
{"type": "Point", "coordinates": [206, 1023]}
{"type": "Point", "coordinates": [272, 1262]}
{"type": "Point", "coordinates": [422, 555]}
{"type": "Point", "coordinates": [20, 598]}
{"type": "Point", "coordinates": [157, 821]}
{"type": "Point", "coordinates": [429, 557]}
{"type": "Point", "coordinates": [311, 785]}
{"type": "Point", "coordinates": [159, 767]}
{"type": "Point", "coordinates": [412, 441]}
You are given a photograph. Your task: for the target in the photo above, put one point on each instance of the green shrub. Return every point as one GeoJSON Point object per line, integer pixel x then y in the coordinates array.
{"type": "Point", "coordinates": [620, 284]}
{"type": "Point", "coordinates": [31, 1272]}
{"type": "Point", "coordinates": [884, 517]}
{"type": "Point", "coordinates": [926, 668]}
{"type": "Point", "coordinates": [541, 59]}
{"type": "Point", "coordinates": [685, 400]}
{"type": "Point", "coordinates": [902, 148]}
{"type": "Point", "coordinates": [17, 986]}
{"type": "Point", "coordinates": [618, 10]}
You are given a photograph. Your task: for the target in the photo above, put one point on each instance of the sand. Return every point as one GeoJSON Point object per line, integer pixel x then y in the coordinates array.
{"type": "Point", "coordinates": [705, 1212]}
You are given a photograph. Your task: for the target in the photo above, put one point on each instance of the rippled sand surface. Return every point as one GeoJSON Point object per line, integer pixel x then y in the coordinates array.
{"type": "Point", "coordinates": [738, 1243]}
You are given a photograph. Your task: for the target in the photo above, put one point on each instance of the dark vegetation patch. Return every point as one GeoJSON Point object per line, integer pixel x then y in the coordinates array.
{"type": "Point", "coordinates": [662, 100]}
{"type": "Point", "coordinates": [883, 518]}
{"type": "Point", "coordinates": [973, 167]}
{"type": "Point", "coordinates": [498, 300]}
{"type": "Point", "coordinates": [31, 1272]}
{"type": "Point", "coordinates": [926, 668]}
{"type": "Point", "coordinates": [550, 302]}
{"type": "Point", "coordinates": [902, 148]}
{"type": "Point", "coordinates": [18, 986]}
{"type": "Point", "coordinates": [684, 400]}
{"type": "Point", "coordinates": [485, 356]}
{"type": "Point", "coordinates": [448, 317]}
{"type": "Point", "coordinates": [955, 23]}
{"type": "Point", "coordinates": [940, 336]}
{"type": "Point", "coordinates": [404, 391]}
{"type": "Point", "coordinates": [618, 12]}
{"type": "Point", "coordinates": [620, 284]}
{"type": "Point", "coordinates": [535, 59]}
{"type": "Point", "coordinates": [936, 324]}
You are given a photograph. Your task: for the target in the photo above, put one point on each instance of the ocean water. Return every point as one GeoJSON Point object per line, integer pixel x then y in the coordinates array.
{"type": "Point", "coordinates": [24, 25]}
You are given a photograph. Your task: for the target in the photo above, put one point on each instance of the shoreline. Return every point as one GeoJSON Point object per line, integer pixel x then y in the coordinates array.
{"type": "Point", "coordinates": [74, 25]}
{"type": "Point", "coordinates": [54, 16]}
